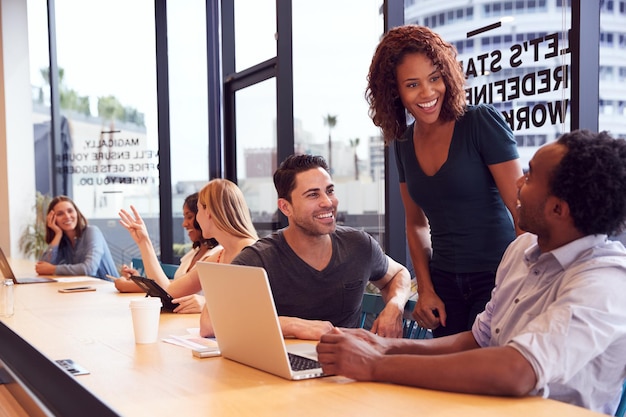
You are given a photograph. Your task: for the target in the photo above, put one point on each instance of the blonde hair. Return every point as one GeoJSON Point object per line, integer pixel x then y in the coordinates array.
{"type": "Point", "coordinates": [228, 206]}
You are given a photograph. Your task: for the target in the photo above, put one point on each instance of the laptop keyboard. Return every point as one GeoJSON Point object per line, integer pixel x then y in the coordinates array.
{"type": "Point", "coordinates": [300, 363]}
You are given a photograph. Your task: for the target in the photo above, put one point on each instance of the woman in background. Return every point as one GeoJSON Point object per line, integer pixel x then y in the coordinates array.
{"type": "Point", "coordinates": [74, 247]}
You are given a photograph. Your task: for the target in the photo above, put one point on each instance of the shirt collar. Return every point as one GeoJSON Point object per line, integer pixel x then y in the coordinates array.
{"type": "Point", "coordinates": [566, 254]}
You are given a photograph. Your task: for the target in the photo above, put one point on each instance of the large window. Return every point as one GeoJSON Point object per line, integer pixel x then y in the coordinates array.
{"type": "Point", "coordinates": [107, 82]}
{"type": "Point", "coordinates": [108, 155]}
{"type": "Point", "coordinates": [187, 62]}
{"type": "Point", "coordinates": [612, 71]}
{"type": "Point", "coordinates": [333, 44]}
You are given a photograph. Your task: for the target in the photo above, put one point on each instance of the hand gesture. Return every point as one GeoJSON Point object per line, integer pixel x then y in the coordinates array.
{"type": "Point", "coordinates": [51, 222]}
{"type": "Point", "coordinates": [134, 224]}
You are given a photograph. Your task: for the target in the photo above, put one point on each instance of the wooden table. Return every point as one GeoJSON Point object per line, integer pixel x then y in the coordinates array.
{"type": "Point", "coordinates": [95, 330]}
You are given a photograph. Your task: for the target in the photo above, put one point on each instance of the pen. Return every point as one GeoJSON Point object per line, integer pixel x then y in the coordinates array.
{"type": "Point", "coordinates": [112, 277]}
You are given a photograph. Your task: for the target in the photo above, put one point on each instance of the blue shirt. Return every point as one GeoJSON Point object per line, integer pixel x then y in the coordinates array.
{"type": "Point", "coordinates": [564, 311]}
{"type": "Point", "coordinates": [470, 226]}
{"type": "Point", "coordinates": [89, 256]}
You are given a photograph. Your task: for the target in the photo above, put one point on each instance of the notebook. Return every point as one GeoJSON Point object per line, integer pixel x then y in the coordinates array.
{"type": "Point", "coordinates": [247, 330]}
{"type": "Point", "coordinates": [7, 272]}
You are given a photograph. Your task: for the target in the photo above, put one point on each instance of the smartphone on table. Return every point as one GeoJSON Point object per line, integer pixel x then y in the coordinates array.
{"type": "Point", "coordinates": [77, 289]}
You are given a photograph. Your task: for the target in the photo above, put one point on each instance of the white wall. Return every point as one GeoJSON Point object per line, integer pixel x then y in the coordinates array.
{"type": "Point", "coordinates": [17, 171]}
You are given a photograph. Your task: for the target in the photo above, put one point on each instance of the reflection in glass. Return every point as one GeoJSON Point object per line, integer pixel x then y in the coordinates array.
{"type": "Point", "coordinates": [107, 82]}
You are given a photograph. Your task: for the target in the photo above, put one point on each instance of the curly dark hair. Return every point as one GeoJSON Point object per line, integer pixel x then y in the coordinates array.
{"type": "Point", "coordinates": [591, 178]}
{"type": "Point", "coordinates": [386, 109]}
{"type": "Point", "coordinates": [285, 175]}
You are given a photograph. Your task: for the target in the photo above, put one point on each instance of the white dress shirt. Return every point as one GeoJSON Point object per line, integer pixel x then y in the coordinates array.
{"type": "Point", "coordinates": [565, 312]}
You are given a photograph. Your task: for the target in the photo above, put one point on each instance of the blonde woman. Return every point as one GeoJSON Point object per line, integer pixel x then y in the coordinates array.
{"type": "Point", "coordinates": [223, 215]}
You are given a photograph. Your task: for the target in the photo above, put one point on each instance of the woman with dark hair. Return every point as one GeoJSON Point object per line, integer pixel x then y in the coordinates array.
{"type": "Point", "coordinates": [201, 245]}
{"type": "Point", "coordinates": [457, 165]}
{"type": "Point", "coordinates": [74, 247]}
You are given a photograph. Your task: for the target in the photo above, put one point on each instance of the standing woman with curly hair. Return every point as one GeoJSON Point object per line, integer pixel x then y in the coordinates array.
{"type": "Point", "coordinates": [458, 167]}
{"type": "Point", "coordinates": [74, 247]}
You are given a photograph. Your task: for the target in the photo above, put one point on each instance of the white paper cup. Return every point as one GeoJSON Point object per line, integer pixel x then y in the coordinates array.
{"type": "Point", "coordinates": [146, 312]}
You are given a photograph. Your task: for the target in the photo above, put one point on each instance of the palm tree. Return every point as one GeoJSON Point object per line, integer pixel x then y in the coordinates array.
{"type": "Point", "coordinates": [354, 143]}
{"type": "Point", "coordinates": [330, 121]}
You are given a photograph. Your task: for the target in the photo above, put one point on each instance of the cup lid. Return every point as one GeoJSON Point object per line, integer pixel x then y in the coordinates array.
{"type": "Point", "coordinates": [146, 302]}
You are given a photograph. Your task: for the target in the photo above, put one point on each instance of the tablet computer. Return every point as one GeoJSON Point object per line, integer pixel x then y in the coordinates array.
{"type": "Point", "coordinates": [153, 289]}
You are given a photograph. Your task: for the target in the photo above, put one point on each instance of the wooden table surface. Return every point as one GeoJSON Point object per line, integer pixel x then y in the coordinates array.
{"type": "Point", "coordinates": [161, 379]}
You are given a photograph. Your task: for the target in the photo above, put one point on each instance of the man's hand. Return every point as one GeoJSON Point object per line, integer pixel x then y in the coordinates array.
{"type": "Point", "coordinates": [304, 329]}
{"type": "Point", "coordinates": [389, 322]}
{"type": "Point", "coordinates": [350, 352]}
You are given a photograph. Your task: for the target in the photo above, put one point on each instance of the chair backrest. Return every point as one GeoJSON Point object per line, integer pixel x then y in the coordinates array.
{"type": "Point", "coordinates": [169, 269]}
{"type": "Point", "coordinates": [373, 304]}
{"type": "Point", "coordinates": [621, 408]}
{"type": "Point", "coordinates": [137, 263]}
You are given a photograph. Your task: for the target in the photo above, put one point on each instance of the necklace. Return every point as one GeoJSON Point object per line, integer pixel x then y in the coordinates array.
{"type": "Point", "coordinates": [219, 256]}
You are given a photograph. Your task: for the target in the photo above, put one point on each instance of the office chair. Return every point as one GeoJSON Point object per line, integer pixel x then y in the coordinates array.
{"type": "Point", "coordinates": [621, 408]}
{"type": "Point", "coordinates": [373, 304]}
{"type": "Point", "coordinates": [169, 269]}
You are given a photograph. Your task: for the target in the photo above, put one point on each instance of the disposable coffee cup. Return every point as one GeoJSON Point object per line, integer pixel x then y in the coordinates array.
{"type": "Point", "coordinates": [146, 312]}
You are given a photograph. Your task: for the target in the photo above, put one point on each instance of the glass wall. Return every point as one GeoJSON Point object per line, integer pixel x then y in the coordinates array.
{"type": "Point", "coordinates": [333, 44]}
{"type": "Point", "coordinates": [255, 29]}
{"type": "Point", "coordinates": [189, 125]}
{"type": "Point", "coordinates": [613, 68]}
{"type": "Point", "coordinates": [515, 54]}
{"type": "Point", "coordinates": [106, 79]}
{"type": "Point", "coordinates": [256, 151]}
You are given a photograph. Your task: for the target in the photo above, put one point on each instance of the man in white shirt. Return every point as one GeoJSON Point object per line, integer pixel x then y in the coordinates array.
{"type": "Point", "coordinates": [556, 323]}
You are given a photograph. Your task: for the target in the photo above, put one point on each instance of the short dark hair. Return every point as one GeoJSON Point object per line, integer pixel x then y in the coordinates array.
{"type": "Point", "coordinates": [591, 178]}
{"type": "Point", "coordinates": [285, 175]}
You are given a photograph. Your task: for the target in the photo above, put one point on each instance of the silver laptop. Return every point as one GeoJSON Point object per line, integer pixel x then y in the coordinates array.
{"type": "Point", "coordinates": [246, 324]}
{"type": "Point", "coordinates": [7, 272]}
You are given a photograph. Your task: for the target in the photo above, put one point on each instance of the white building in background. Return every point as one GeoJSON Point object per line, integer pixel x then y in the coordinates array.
{"type": "Point", "coordinates": [522, 67]}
